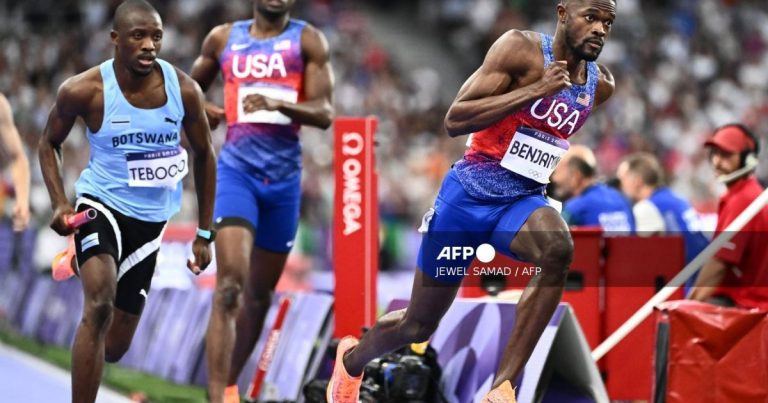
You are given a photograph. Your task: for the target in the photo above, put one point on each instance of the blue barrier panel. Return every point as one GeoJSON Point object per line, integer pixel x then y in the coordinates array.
{"type": "Point", "coordinates": [33, 305]}
{"type": "Point", "coordinates": [304, 323]}
{"type": "Point", "coordinates": [192, 345]}
{"type": "Point", "coordinates": [56, 313]}
{"type": "Point", "coordinates": [156, 349]}
{"type": "Point", "coordinates": [170, 333]}
{"type": "Point", "coordinates": [11, 290]}
{"type": "Point", "coordinates": [152, 314]}
{"type": "Point", "coordinates": [6, 246]}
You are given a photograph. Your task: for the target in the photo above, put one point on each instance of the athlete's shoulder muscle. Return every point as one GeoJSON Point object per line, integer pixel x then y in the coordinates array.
{"type": "Point", "coordinates": [77, 93]}
{"type": "Point", "coordinates": [605, 85]}
{"type": "Point", "coordinates": [78, 96]}
{"type": "Point", "coordinates": [509, 60]}
{"type": "Point", "coordinates": [216, 40]}
{"type": "Point", "coordinates": [514, 52]}
{"type": "Point", "coordinates": [314, 45]}
{"type": "Point", "coordinates": [191, 94]}
{"type": "Point", "coordinates": [206, 66]}
{"type": "Point", "coordinates": [195, 121]}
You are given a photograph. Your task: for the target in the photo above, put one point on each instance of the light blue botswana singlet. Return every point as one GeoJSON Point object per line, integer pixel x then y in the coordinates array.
{"type": "Point", "coordinates": [136, 163]}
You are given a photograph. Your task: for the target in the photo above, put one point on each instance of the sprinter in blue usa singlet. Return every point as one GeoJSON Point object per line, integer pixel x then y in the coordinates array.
{"type": "Point", "coordinates": [530, 95]}
{"type": "Point", "coordinates": [134, 107]}
{"type": "Point", "coordinates": [277, 77]}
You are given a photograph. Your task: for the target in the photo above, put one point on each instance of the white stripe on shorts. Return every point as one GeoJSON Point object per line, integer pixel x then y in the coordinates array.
{"type": "Point", "coordinates": [140, 254]}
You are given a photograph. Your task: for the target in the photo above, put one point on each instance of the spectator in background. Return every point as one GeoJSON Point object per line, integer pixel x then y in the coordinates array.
{"type": "Point", "coordinates": [587, 202]}
{"type": "Point", "coordinates": [639, 176]}
{"type": "Point", "coordinates": [12, 149]}
{"type": "Point", "coordinates": [738, 274]}
{"type": "Point", "coordinates": [657, 209]}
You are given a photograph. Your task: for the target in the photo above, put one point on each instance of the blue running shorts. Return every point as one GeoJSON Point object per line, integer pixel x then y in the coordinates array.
{"type": "Point", "coordinates": [460, 221]}
{"type": "Point", "coordinates": [269, 209]}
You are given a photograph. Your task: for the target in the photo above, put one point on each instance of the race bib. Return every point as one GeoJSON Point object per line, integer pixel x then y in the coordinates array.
{"type": "Point", "coordinates": [157, 169]}
{"type": "Point", "coordinates": [273, 117]}
{"type": "Point", "coordinates": [534, 154]}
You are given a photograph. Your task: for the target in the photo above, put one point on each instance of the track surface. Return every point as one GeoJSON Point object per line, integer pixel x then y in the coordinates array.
{"type": "Point", "coordinates": [24, 378]}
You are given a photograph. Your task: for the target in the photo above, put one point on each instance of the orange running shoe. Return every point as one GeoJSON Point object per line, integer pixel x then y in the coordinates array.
{"type": "Point", "coordinates": [63, 266]}
{"type": "Point", "coordinates": [343, 388]}
{"type": "Point", "coordinates": [231, 394]}
{"type": "Point", "coordinates": [503, 394]}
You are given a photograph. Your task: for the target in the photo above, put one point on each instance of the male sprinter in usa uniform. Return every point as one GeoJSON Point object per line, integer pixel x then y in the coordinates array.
{"type": "Point", "coordinates": [530, 95]}
{"type": "Point", "coordinates": [277, 77]}
{"type": "Point", "coordinates": [134, 107]}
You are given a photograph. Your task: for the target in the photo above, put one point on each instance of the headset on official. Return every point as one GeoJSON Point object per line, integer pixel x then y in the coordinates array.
{"type": "Point", "coordinates": [749, 160]}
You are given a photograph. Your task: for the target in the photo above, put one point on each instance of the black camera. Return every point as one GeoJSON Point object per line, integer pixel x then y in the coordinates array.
{"type": "Point", "coordinates": [403, 376]}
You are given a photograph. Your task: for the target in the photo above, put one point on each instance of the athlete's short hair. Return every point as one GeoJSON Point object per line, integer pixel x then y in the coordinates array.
{"type": "Point", "coordinates": [580, 165]}
{"type": "Point", "coordinates": [127, 7]}
{"type": "Point", "coordinates": [647, 167]}
{"type": "Point", "coordinates": [565, 2]}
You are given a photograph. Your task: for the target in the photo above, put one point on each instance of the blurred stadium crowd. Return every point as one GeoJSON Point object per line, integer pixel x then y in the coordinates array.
{"type": "Point", "coordinates": [682, 67]}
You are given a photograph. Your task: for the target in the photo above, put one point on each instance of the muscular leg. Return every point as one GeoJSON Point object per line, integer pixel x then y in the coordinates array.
{"type": "Point", "coordinates": [429, 302]}
{"type": "Point", "coordinates": [266, 268]}
{"type": "Point", "coordinates": [233, 253]}
{"type": "Point", "coordinates": [545, 241]}
{"type": "Point", "coordinates": [120, 334]}
{"type": "Point", "coordinates": [98, 275]}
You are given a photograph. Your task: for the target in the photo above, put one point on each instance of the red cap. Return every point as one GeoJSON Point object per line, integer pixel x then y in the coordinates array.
{"type": "Point", "coordinates": [731, 139]}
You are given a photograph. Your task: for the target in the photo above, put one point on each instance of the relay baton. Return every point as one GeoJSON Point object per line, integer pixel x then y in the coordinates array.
{"type": "Point", "coordinates": [76, 220]}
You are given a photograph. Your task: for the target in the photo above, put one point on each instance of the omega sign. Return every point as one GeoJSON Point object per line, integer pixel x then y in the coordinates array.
{"type": "Point", "coordinates": [355, 227]}
{"type": "Point", "coordinates": [352, 168]}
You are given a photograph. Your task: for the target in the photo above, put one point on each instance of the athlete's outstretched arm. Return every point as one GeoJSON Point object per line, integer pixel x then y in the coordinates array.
{"type": "Point", "coordinates": [198, 133]}
{"type": "Point", "coordinates": [206, 67]}
{"type": "Point", "coordinates": [70, 100]}
{"type": "Point", "coordinates": [494, 90]}
{"type": "Point", "coordinates": [317, 107]}
{"type": "Point", "coordinates": [11, 143]}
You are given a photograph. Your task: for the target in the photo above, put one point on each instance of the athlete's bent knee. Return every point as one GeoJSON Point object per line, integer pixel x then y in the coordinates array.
{"type": "Point", "coordinates": [99, 313]}
{"type": "Point", "coordinates": [228, 296]}
{"type": "Point", "coordinates": [557, 255]}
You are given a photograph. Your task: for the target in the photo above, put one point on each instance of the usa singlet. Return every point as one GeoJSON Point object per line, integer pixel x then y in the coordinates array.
{"type": "Point", "coordinates": [136, 163]}
{"type": "Point", "coordinates": [516, 156]}
{"type": "Point", "coordinates": [264, 144]}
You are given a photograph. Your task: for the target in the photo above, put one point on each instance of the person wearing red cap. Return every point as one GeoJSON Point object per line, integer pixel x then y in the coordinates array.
{"type": "Point", "coordinates": [737, 275]}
